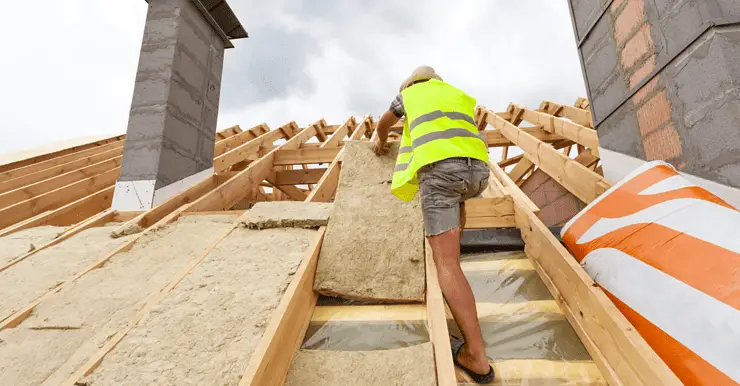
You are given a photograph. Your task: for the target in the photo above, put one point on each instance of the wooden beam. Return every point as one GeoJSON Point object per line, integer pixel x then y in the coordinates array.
{"type": "Point", "coordinates": [271, 358]}
{"type": "Point", "coordinates": [56, 198]}
{"type": "Point", "coordinates": [33, 168]}
{"type": "Point", "coordinates": [572, 131]}
{"type": "Point", "coordinates": [298, 177]}
{"type": "Point", "coordinates": [512, 187]}
{"type": "Point", "coordinates": [495, 212]}
{"type": "Point", "coordinates": [523, 167]}
{"type": "Point", "coordinates": [336, 138]}
{"type": "Point", "coordinates": [621, 354]}
{"type": "Point", "coordinates": [439, 334]}
{"type": "Point", "coordinates": [578, 179]}
{"type": "Point", "coordinates": [58, 170]}
{"type": "Point", "coordinates": [575, 114]}
{"type": "Point", "coordinates": [56, 154]}
{"type": "Point", "coordinates": [235, 141]}
{"type": "Point", "coordinates": [305, 156]}
{"type": "Point", "coordinates": [370, 313]}
{"type": "Point", "coordinates": [30, 191]}
{"type": "Point", "coordinates": [232, 191]}
{"type": "Point", "coordinates": [511, 161]}
{"type": "Point", "coordinates": [250, 148]}
{"type": "Point", "coordinates": [293, 192]}
{"type": "Point", "coordinates": [68, 214]}
{"type": "Point", "coordinates": [368, 127]}
{"type": "Point", "coordinates": [228, 132]}
{"type": "Point", "coordinates": [494, 138]}
{"type": "Point", "coordinates": [320, 125]}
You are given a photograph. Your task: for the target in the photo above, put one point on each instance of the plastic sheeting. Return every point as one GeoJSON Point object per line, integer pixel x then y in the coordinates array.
{"type": "Point", "coordinates": [527, 338]}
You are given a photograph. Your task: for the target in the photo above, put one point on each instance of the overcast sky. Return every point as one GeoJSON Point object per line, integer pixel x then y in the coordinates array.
{"type": "Point", "coordinates": [68, 71]}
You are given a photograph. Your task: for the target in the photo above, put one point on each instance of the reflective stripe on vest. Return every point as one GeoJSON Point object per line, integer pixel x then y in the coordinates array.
{"type": "Point", "coordinates": [439, 124]}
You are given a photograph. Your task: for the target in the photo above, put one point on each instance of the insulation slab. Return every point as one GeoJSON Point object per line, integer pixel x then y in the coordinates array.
{"type": "Point", "coordinates": [66, 329]}
{"type": "Point", "coordinates": [409, 366]}
{"type": "Point", "coordinates": [374, 244]}
{"type": "Point", "coordinates": [34, 276]}
{"type": "Point", "coordinates": [265, 215]}
{"type": "Point", "coordinates": [205, 330]}
{"type": "Point", "coordinates": [19, 243]}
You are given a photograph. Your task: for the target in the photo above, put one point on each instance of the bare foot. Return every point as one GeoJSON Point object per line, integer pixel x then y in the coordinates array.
{"type": "Point", "coordinates": [478, 365]}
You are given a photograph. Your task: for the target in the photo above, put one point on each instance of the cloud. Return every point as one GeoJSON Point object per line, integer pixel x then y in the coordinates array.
{"type": "Point", "coordinates": [304, 60]}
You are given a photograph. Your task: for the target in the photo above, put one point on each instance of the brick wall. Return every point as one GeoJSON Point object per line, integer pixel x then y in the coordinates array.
{"type": "Point", "coordinates": [637, 53]}
{"type": "Point", "coordinates": [556, 204]}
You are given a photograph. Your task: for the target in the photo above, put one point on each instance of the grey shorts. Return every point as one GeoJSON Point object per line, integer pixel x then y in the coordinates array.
{"type": "Point", "coordinates": [444, 186]}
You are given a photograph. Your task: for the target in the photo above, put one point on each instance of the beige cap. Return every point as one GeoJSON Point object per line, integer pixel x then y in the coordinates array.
{"type": "Point", "coordinates": [420, 73]}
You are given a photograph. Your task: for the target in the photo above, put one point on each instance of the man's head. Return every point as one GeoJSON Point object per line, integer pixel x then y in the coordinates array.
{"type": "Point", "coordinates": [420, 74]}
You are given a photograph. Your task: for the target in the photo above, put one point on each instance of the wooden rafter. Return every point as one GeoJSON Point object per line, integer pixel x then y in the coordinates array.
{"type": "Point", "coordinates": [579, 180]}
{"type": "Point", "coordinates": [336, 138]}
{"type": "Point", "coordinates": [572, 131]}
{"type": "Point", "coordinates": [575, 114]}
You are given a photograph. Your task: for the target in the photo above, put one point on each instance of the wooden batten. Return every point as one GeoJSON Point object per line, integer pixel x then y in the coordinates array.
{"type": "Point", "coordinates": [59, 153]}
{"type": "Point", "coordinates": [579, 115]}
{"type": "Point", "coordinates": [577, 133]}
{"type": "Point", "coordinates": [439, 333]}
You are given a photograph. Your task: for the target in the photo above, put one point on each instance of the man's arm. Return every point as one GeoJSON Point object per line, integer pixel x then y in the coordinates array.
{"type": "Point", "coordinates": [387, 120]}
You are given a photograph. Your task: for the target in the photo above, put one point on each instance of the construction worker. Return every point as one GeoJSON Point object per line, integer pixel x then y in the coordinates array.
{"type": "Point", "coordinates": [442, 153]}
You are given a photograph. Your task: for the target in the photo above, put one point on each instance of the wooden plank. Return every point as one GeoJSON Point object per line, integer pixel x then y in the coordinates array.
{"type": "Point", "coordinates": [292, 191]}
{"type": "Point", "coordinates": [232, 191]}
{"type": "Point", "coordinates": [45, 186]}
{"type": "Point", "coordinates": [497, 265]}
{"type": "Point", "coordinates": [572, 131]}
{"type": "Point", "coordinates": [575, 114]}
{"type": "Point", "coordinates": [228, 132]}
{"type": "Point", "coordinates": [369, 313]}
{"type": "Point", "coordinates": [126, 216]}
{"type": "Point", "coordinates": [522, 167]}
{"type": "Point", "coordinates": [56, 154]}
{"type": "Point", "coordinates": [234, 141]}
{"type": "Point", "coordinates": [327, 185]}
{"type": "Point", "coordinates": [271, 359]}
{"type": "Point", "coordinates": [94, 221]}
{"type": "Point", "coordinates": [368, 127]}
{"type": "Point", "coordinates": [33, 168]}
{"type": "Point", "coordinates": [250, 148]}
{"type": "Point", "coordinates": [511, 187]}
{"type": "Point", "coordinates": [68, 214]}
{"type": "Point", "coordinates": [619, 351]}
{"type": "Point", "coordinates": [335, 140]}
{"type": "Point", "coordinates": [490, 222]}
{"type": "Point", "coordinates": [56, 198]}
{"type": "Point", "coordinates": [94, 361]}
{"type": "Point", "coordinates": [298, 177]}
{"type": "Point", "coordinates": [489, 207]}
{"type": "Point", "coordinates": [55, 171]}
{"type": "Point", "coordinates": [511, 161]}
{"type": "Point", "coordinates": [439, 334]}
{"type": "Point", "coordinates": [215, 213]}
{"type": "Point", "coordinates": [305, 156]}
{"type": "Point", "coordinates": [319, 126]}
{"type": "Point", "coordinates": [579, 180]}
{"type": "Point", "coordinates": [495, 138]}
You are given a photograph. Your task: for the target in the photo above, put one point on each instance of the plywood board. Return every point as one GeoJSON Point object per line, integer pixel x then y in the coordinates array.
{"type": "Point", "coordinates": [373, 248]}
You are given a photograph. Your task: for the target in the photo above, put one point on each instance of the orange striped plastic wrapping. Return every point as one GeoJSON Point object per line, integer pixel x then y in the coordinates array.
{"type": "Point", "coordinates": [667, 252]}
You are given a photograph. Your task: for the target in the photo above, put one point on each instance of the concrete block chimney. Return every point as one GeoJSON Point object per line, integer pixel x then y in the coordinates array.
{"type": "Point", "coordinates": [664, 84]}
{"type": "Point", "coordinates": [172, 123]}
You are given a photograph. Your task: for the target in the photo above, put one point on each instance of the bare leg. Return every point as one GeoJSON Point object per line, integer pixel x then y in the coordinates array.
{"type": "Point", "coordinates": [455, 287]}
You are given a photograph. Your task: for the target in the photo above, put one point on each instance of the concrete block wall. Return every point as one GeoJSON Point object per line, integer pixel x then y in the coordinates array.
{"type": "Point", "coordinates": [556, 204]}
{"type": "Point", "coordinates": [688, 113]}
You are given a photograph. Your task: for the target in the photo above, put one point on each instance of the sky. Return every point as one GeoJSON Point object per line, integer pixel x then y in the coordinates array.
{"type": "Point", "coordinates": [71, 72]}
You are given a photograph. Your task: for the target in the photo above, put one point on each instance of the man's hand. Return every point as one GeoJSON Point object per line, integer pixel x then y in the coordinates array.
{"type": "Point", "coordinates": [381, 147]}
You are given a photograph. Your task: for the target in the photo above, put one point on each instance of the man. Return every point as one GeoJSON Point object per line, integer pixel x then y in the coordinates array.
{"type": "Point", "coordinates": [443, 154]}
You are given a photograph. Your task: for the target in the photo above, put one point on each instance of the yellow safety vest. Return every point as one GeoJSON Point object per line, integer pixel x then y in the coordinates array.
{"type": "Point", "coordinates": [439, 124]}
